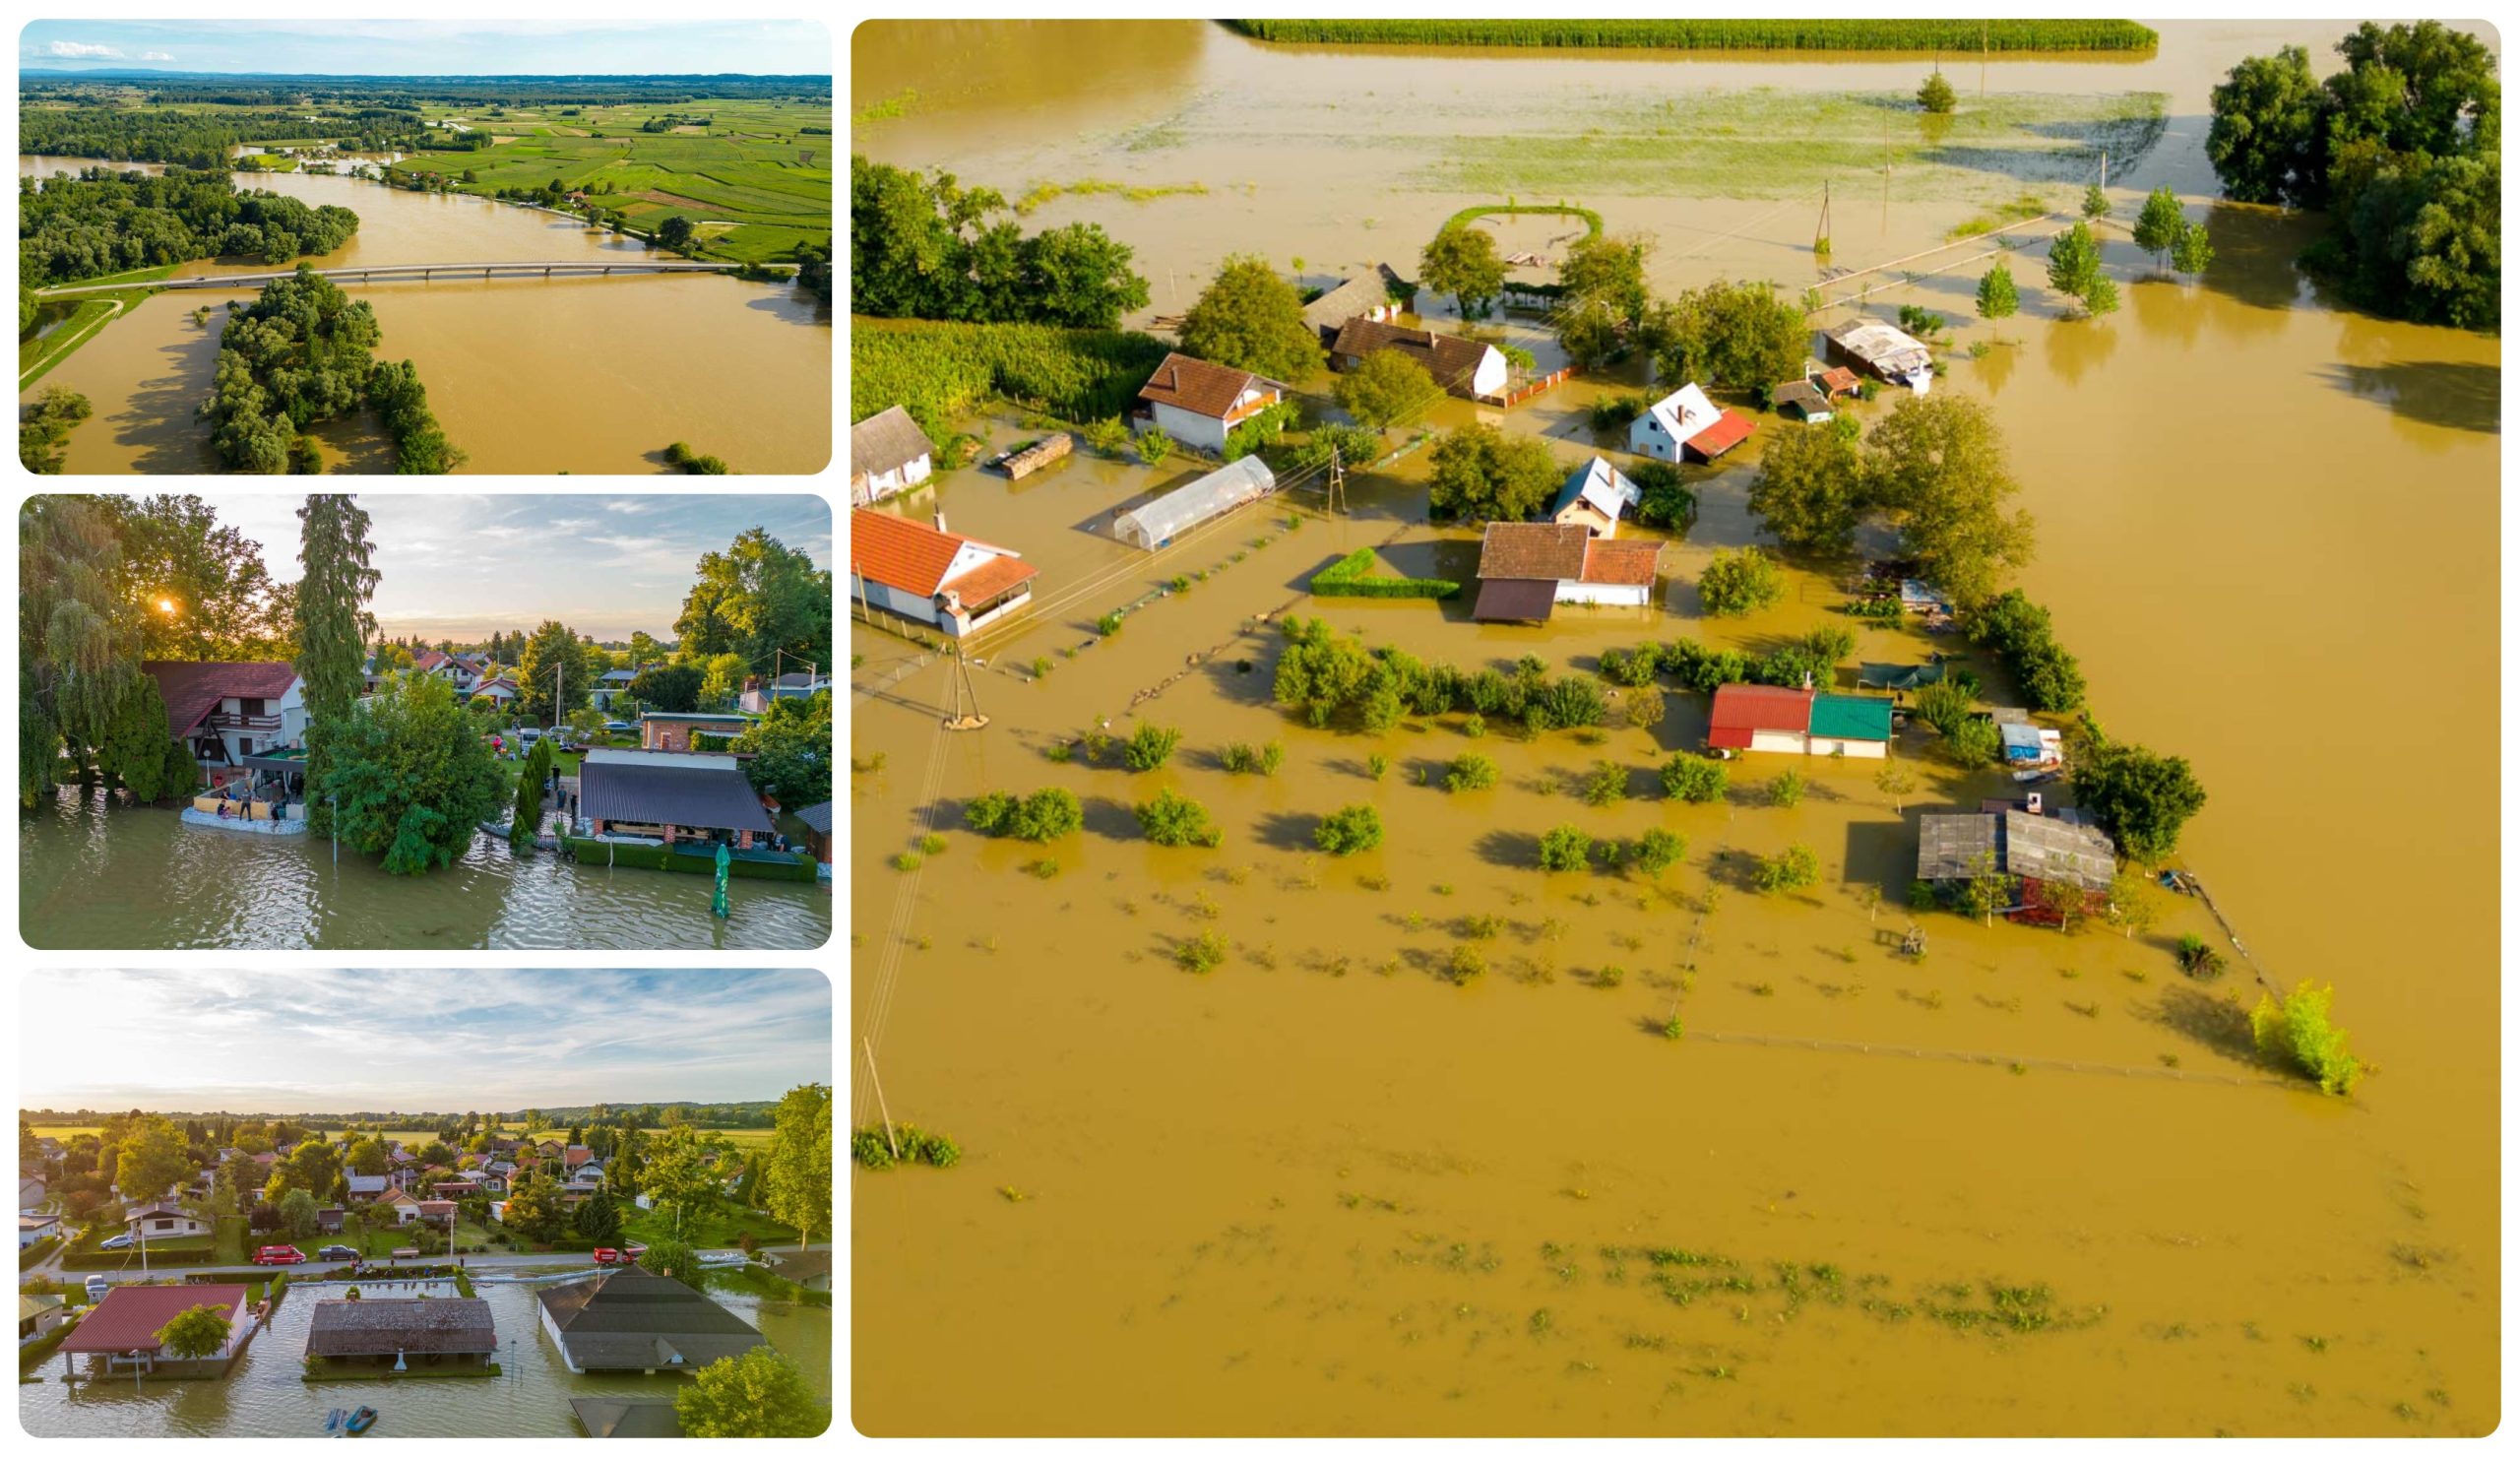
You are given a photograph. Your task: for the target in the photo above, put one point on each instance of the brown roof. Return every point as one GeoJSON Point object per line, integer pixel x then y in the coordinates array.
{"type": "Point", "coordinates": [129, 1316]}
{"type": "Point", "coordinates": [885, 443]}
{"type": "Point", "coordinates": [374, 1327]}
{"type": "Point", "coordinates": [1629, 563]}
{"type": "Point", "coordinates": [1534, 550]}
{"type": "Point", "coordinates": [1449, 357]}
{"type": "Point", "coordinates": [1199, 387]}
{"type": "Point", "coordinates": [192, 690]}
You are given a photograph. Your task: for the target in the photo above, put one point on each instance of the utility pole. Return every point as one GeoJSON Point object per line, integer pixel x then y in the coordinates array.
{"type": "Point", "coordinates": [1338, 493]}
{"type": "Point", "coordinates": [889, 1140]}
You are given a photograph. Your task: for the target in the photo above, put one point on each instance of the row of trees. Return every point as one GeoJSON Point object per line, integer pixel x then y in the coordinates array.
{"type": "Point", "coordinates": [2403, 149]}
{"type": "Point", "coordinates": [922, 246]}
{"type": "Point", "coordinates": [103, 222]}
{"type": "Point", "coordinates": [192, 137]}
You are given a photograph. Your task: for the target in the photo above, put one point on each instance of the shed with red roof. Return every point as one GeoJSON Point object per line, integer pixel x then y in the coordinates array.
{"type": "Point", "coordinates": [1760, 719]}
{"type": "Point", "coordinates": [121, 1333]}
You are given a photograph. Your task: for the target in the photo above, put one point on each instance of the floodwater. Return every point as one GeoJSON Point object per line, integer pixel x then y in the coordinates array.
{"type": "Point", "coordinates": [265, 1395]}
{"type": "Point", "coordinates": [130, 876]}
{"type": "Point", "coordinates": [1324, 1190]}
{"type": "Point", "coordinates": [580, 375]}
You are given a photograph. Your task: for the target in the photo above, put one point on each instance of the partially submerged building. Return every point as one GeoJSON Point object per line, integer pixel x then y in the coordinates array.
{"type": "Point", "coordinates": [1369, 295]}
{"type": "Point", "coordinates": [1156, 522]}
{"type": "Point", "coordinates": [1525, 568]}
{"type": "Point", "coordinates": [1760, 717]}
{"type": "Point", "coordinates": [1685, 424]}
{"type": "Point", "coordinates": [1461, 366]}
{"type": "Point", "coordinates": [1595, 496]}
{"type": "Point", "coordinates": [1888, 353]}
{"type": "Point", "coordinates": [930, 574]}
{"type": "Point", "coordinates": [643, 796]}
{"type": "Point", "coordinates": [1200, 404]}
{"type": "Point", "coordinates": [888, 454]}
{"type": "Point", "coordinates": [633, 1321]}
{"type": "Point", "coordinates": [446, 1335]}
{"type": "Point", "coordinates": [627, 1416]}
{"type": "Point", "coordinates": [120, 1335]}
{"type": "Point", "coordinates": [2039, 849]}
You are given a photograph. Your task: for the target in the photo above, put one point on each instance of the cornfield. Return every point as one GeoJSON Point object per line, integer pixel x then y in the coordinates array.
{"type": "Point", "coordinates": [939, 371]}
{"type": "Point", "coordinates": [1718, 34]}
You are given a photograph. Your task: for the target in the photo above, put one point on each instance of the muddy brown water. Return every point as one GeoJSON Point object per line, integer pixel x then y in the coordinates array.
{"type": "Point", "coordinates": [528, 375]}
{"type": "Point", "coordinates": [1323, 1191]}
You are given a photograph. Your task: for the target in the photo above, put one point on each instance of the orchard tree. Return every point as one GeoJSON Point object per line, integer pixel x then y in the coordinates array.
{"type": "Point", "coordinates": [1936, 95]}
{"type": "Point", "coordinates": [2073, 269]}
{"type": "Point", "coordinates": [2156, 228]}
{"type": "Point", "coordinates": [1998, 297]}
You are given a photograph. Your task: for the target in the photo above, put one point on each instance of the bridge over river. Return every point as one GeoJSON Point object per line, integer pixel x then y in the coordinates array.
{"type": "Point", "coordinates": [389, 272]}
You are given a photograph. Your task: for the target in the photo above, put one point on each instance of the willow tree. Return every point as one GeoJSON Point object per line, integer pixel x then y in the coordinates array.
{"type": "Point", "coordinates": [333, 626]}
{"type": "Point", "coordinates": [75, 654]}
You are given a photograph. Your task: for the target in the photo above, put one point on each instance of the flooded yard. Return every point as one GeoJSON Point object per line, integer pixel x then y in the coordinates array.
{"type": "Point", "coordinates": [2028, 1183]}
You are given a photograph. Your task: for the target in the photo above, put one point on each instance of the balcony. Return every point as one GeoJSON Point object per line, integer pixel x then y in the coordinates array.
{"type": "Point", "coordinates": [261, 722]}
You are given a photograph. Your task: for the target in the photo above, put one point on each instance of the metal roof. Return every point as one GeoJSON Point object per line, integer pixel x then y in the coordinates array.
{"type": "Point", "coordinates": [1898, 676]}
{"type": "Point", "coordinates": [1849, 716]}
{"type": "Point", "coordinates": [1513, 599]}
{"type": "Point", "coordinates": [2035, 846]}
{"type": "Point", "coordinates": [817, 817]}
{"type": "Point", "coordinates": [691, 792]}
{"type": "Point", "coordinates": [632, 1319]}
{"type": "Point", "coordinates": [1211, 494]}
{"type": "Point", "coordinates": [627, 1416]}
{"type": "Point", "coordinates": [378, 1327]}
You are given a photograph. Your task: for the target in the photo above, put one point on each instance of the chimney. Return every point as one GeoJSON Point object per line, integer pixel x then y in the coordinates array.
{"type": "Point", "coordinates": [2038, 801]}
{"type": "Point", "coordinates": [1807, 680]}
{"type": "Point", "coordinates": [940, 518]}
{"type": "Point", "coordinates": [752, 683]}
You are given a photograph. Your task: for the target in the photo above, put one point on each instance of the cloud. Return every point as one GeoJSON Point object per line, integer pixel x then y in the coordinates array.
{"type": "Point", "coordinates": [154, 56]}
{"type": "Point", "coordinates": [80, 50]}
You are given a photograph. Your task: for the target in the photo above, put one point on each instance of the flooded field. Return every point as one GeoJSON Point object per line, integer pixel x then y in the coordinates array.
{"type": "Point", "coordinates": [578, 375]}
{"type": "Point", "coordinates": [139, 878]}
{"type": "Point", "coordinates": [2030, 1184]}
{"type": "Point", "coordinates": [265, 1395]}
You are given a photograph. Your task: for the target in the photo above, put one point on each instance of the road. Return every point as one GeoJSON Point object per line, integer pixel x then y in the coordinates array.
{"type": "Point", "coordinates": [51, 1269]}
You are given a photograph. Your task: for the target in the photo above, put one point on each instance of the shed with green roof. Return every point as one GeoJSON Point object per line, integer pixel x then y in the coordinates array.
{"type": "Point", "coordinates": [1850, 726]}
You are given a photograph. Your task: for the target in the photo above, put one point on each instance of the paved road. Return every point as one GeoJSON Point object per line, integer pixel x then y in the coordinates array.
{"type": "Point", "coordinates": [51, 1270]}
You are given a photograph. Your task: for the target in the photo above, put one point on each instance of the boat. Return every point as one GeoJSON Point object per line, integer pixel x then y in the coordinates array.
{"type": "Point", "coordinates": [2037, 776]}
{"type": "Point", "coordinates": [361, 1421]}
{"type": "Point", "coordinates": [332, 1420]}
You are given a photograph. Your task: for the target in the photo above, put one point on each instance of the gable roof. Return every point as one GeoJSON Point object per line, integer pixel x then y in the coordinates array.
{"type": "Point", "coordinates": [1731, 429]}
{"type": "Point", "coordinates": [442, 1326]}
{"type": "Point", "coordinates": [698, 792]}
{"type": "Point", "coordinates": [430, 661]}
{"type": "Point", "coordinates": [1743, 708]}
{"type": "Point", "coordinates": [627, 1416]}
{"type": "Point", "coordinates": [1200, 388]}
{"type": "Point", "coordinates": [192, 690]}
{"type": "Point", "coordinates": [144, 1211]}
{"type": "Point", "coordinates": [129, 1316]}
{"type": "Point", "coordinates": [1629, 563]}
{"type": "Point", "coordinates": [905, 554]}
{"type": "Point", "coordinates": [1851, 715]}
{"type": "Point", "coordinates": [1685, 411]}
{"type": "Point", "coordinates": [1449, 357]}
{"type": "Point", "coordinates": [1533, 550]}
{"type": "Point", "coordinates": [884, 443]}
{"type": "Point", "coordinates": [1600, 485]}
{"type": "Point", "coordinates": [1364, 293]}
{"type": "Point", "coordinates": [816, 817]}
{"type": "Point", "coordinates": [633, 1318]}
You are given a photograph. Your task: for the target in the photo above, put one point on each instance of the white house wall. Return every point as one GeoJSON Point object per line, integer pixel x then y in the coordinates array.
{"type": "Point", "coordinates": [1489, 378]}
{"type": "Point", "coordinates": [1647, 437]}
{"type": "Point", "coordinates": [1206, 432]}
{"type": "Point", "coordinates": [1852, 748]}
{"type": "Point", "coordinates": [891, 598]}
{"type": "Point", "coordinates": [1606, 594]}
{"type": "Point", "coordinates": [1779, 742]}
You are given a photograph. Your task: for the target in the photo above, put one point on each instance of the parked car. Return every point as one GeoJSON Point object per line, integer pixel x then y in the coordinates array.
{"type": "Point", "coordinates": [280, 1254]}
{"type": "Point", "coordinates": [528, 736]}
{"type": "Point", "coordinates": [336, 1252]}
{"type": "Point", "coordinates": [615, 725]}
{"type": "Point", "coordinates": [626, 1255]}
{"type": "Point", "coordinates": [119, 1242]}
{"type": "Point", "coordinates": [97, 1286]}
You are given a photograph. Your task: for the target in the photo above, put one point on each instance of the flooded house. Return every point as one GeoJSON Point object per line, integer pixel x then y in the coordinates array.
{"type": "Point", "coordinates": [656, 797]}
{"type": "Point", "coordinates": [1883, 350]}
{"type": "Point", "coordinates": [2039, 848]}
{"type": "Point", "coordinates": [1525, 568]}
{"type": "Point", "coordinates": [929, 574]}
{"type": "Point", "coordinates": [1685, 424]}
{"type": "Point", "coordinates": [626, 1415]}
{"type": "Point", "coordinates": [1593, 497]}
{"type": "Point", "coordinates": [888, 454]}
{"type": "Point", "coordinates": [443, 1336]}
{"type": "Point", "coordinates": [120, 1335]}
{"type": "Point", "coordinates": [1154, 524]}
{"type": "Point", "coordinates": [1464, 366]}
{"type": "Point", "coordinates": [1760, 717]}
{"type": "Point", "coordinates": [634, 1320]}
{"type": "Point", "coordinates": [1368, 295]}
{"type": "Point", "coordinates": [1199, 404]}
{"type": "Point", "coordinates": [231, 711]}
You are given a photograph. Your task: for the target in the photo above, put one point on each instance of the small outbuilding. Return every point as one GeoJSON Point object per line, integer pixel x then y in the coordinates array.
{"type": "Point", "coordinates": [1759, 717]}
{"type": "Point", "coordinates": [1850, 726]}
{"type": "Point", "coordinates": [888, 454]}
{"type": "Point", "coordinates": [1154, 524]}
{"type": "Point", "coordinates": [2041, 851]}
{"type": "Point", "coordinates": [1802, 400]}
{"type": "Point", "coordinates": [1593, 497]}
{"type": "Point", "coordinates": [1888, 353]}
{"type": "Point", "coordinates": [1368, 295]}
{"type": "Point", "coordinates": [438, 1334]}
{"type": "Point", "coordinates": [671, 799]}
{"type": "Point", "coordinates": [1527, 567]}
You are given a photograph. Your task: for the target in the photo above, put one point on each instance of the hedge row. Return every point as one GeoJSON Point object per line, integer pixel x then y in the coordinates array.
{"type": "Point", "coordinates": [2019, 631]}
{"type": "Point", "coordinates": [940, 371]}
{"type": "Point", "coordinates": [33, 1253]}
{"type": "Point", "coordinates": [1351, 576]}
{"type": "Point", "coordinates": [1718, 34]}
{"type": "Point", "coordinates": [658, 857]}
{"type": "Point", "coordinates": [115, 1259]}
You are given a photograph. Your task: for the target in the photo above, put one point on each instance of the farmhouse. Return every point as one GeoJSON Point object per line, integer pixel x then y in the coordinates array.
{"type": "Point", "coordinates": [888, 454]}
{"type": "Point", "coordinates": [121, 1333]}
{"type": "Point", "coordinates": [1367, 295]}
{"type": "Point", "coordinates": [431, 1335]}
{"type": "Point", "coordinates": [2040, 850]}
{"type": "Point", "coordinates": [1464, 366]}
{"type": "Point", "coordinates": [1759, 717]}
{"type": "Point", "coordinates": [1199, 404]}
{"type": "Point", "coordinates": [1593, 497]}
{"type": "Point", "coordinates": [1685, 424]}
{"type": "Point", "coordinates": [1888, 353]}
{"type": "Point", "coordinates": [930, 574]}
{"type": "Point", "coordinates": [632, 1321]}
{"type": "Point", "coordinates": [231, 711]}
{"type": "Point", "coordinates": [1158, 522]}
{"type": "Point", "coordinates": [641, 795]}
{"type": "Point", "coordinates": [1527, 568]}
{"type": "Point", "coordinates": [163, 1221]}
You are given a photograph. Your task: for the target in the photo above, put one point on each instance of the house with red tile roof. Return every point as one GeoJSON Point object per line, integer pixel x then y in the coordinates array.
{"type": "Point", "coordinates": [930, 574]}
{"type": "Point", "coordinates": [1199, 404]}
{"type": "Point", "coordinates": [501, 690]}
{"type": "Point", "coordinates": [120, 1334]}
{"type": "Point", "coordinates": [229, 712]}
{"type": "Point", "coordinates": [1685, 424]}
{"type": "Point", "coordinates": [1527, 567]}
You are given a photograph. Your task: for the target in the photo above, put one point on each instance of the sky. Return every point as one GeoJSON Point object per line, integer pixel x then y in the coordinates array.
{"type": "Point", "coordinates": [463, 567]}
{"type": "Point", "coordinates": [450, 48]}
{"type": "Point", "coordinates": [335, 1041]}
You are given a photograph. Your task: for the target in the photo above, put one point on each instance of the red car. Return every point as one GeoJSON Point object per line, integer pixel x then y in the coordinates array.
{"type": "Point", "coordinates": [280, 1254]}
{"type": "Point", "coordinates": [628, 1257]}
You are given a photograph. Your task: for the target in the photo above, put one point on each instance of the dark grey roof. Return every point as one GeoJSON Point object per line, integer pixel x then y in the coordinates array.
{"type": "Point", "coordinates": [627, 1416]}
{"type": "Point", "coordinates": [817, 817]}
{"type": "Point", "coordinates": [885, 443]}
{"type": "Point", "coordinates": [1364, 293]}
{"type": "Point", "coordinates": [375, 1327]}
{"type": "Point", "coordinates": [1950, 847]}
{"type": "Point", "coordinates": [1512, 600]}
{"type": "Point", "coordinates": [635, 1320]}
{"type": "Point", "coordinates": [669, 793]}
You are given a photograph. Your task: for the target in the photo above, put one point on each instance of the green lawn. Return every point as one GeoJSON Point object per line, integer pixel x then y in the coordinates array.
{"type": "Point", "coordinates": [717, 1229]}
{"type": "Point", "coordinates": [88, 318]}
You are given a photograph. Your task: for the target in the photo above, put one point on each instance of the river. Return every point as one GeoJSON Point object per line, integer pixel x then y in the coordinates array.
{"type": "Point", "coordinates": [131, 877]}
{"type": "Point", "coordinates": [266, 1394]}
{"type": "Point", "coordinates": [1323, 1191]}
{"type": "Point", "coordinates": [589, 375]}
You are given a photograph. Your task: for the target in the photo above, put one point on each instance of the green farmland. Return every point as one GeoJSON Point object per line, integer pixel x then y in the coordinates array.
{"type": "Point", "coordinates": [755, 182]}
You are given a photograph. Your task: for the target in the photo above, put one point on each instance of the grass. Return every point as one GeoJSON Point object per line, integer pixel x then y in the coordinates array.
{"type": "Point", "coordinates": [1466, 215]}
{"type": "Point", "coordinates": [717, 1229]}
{"type": "Point", "coordinates": [1049, 192]}
{"type": "Point", "coordinates": [2020, 210]}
